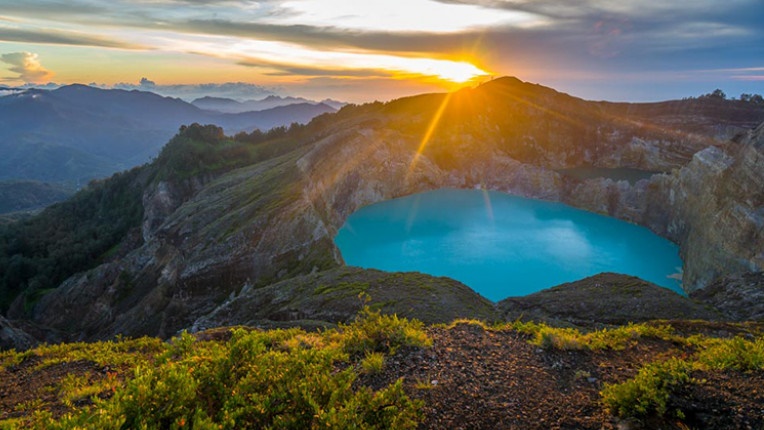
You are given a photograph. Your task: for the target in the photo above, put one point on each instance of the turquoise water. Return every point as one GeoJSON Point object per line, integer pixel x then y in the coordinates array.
{"type": "Point", "coordinates": [502, 245]}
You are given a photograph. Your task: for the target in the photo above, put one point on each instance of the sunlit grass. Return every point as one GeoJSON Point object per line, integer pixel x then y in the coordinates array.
{"type": "Point", "coordinates": [298, 379]}
{"type": "Point", "coordinates": [373, 362]}
{"type": "Point", "coordinates": [648, 392]}
{"type": "Point", "coordinates": [736, 353]}
{"type": "Point", "coordinates": [73, 388]}
{"type": "Point", "coordinates": [257, 379]}
{"type": "Point", "coordinates": [116, 353]}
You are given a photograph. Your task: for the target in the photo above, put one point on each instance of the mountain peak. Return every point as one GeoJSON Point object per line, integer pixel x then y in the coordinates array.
{"type": "Point", "coordinates": [213, 99]}
{"type": "Point", "coordinates": [76, 87]}
{"type": "Point", "coordinates": [505, 80]}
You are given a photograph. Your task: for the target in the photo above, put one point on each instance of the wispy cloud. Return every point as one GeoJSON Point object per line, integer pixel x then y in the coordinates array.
{"type": "Point", "coordinates": [27, 66]}
{"type": "Point", "coordinates": [751, 78]}
{"type": "Point", "coordinates": [188, 92]}
{"type": "Point", "coordinates": [400, 15]}
{"type": "Point", "coordinates": [61, 37]}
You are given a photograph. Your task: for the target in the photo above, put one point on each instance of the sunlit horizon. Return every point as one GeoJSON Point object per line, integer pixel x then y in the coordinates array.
{"type": "Point", "coordinates": [359, 52]}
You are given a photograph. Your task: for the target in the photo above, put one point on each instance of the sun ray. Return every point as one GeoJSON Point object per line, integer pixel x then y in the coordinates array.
{"type": "Point", "coordinates": [428, 133]}
{"type": "Point", "coordinates": [488, 205]}
{"type": "Point", "coordinates": [412, 214]}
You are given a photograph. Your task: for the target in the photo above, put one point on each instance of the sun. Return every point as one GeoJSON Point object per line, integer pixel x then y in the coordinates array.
{"type": "Point", "coordinates": [458, 72]}
{"type": "Point", "coordinates": [453, 71]}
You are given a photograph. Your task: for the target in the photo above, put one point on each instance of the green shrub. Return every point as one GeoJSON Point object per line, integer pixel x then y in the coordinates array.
{"type": "Point", "coordinates": [122, 352]}
{"type": "Point", "coordinates": [620, 337]}
{"type": "Point", "coordinates": [73, 388]}
{"type": "Point", "coordinates": [648, 392]}
{"type": "Point", "coordinates": [375, 332]}
{"type": "Point", "coordinates": [571, 339]}
{"type": "Point", "coordinates": [283, 379]}
{"type": "Point", "coordinates": [736, 353]}
{"type": "Point", "coordinates": [157, 397]}
{"type": "Point", "coordinates": [12, 358]}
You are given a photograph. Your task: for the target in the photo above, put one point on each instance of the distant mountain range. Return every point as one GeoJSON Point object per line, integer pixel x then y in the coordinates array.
{"type": "Point", "coordinates": [76, 133]}
{"type": "Point", "coordinates": [226, 105]}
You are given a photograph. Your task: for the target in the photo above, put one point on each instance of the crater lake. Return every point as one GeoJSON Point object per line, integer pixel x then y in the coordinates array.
{"type": "Point", "coordinates": [502, 245]}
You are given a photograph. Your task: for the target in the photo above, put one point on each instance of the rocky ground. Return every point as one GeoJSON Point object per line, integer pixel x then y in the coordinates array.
{"type": "Point", "coordinates": [738, 297]}
{"type": "Point", "coordinates": [474, 378]}
{"type": "Point", "coordinates": [478, 378]}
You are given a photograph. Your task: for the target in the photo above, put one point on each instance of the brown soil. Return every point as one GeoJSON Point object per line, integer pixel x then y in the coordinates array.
{"type": "Point", "coordinates": [477, 379]}
{"type": "Point", "coordinates": [27, 387]}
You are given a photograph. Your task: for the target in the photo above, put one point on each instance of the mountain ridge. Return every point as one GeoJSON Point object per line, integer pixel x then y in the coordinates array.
{"type": "Point", "coordinates": [206, 235]}
{"type": "Point", "coordinates": [228, 105]}
{"type": "Point", "coordinates": [120, 128]}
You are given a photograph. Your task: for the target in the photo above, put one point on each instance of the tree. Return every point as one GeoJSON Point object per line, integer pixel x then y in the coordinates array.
{"type": "Point", "coordinates": [718, 94]}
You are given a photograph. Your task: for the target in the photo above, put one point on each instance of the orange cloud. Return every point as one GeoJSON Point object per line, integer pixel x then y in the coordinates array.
{"type": "Point", "coordinates": [27, 66]}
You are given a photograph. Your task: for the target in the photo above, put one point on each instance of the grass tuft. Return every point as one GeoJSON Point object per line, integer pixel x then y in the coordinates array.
{"type": "Point", "coordinates": [373, 363]}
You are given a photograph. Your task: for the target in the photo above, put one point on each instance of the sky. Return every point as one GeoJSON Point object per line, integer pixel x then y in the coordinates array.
{"type": "Point", "coordinates": [365, 50]}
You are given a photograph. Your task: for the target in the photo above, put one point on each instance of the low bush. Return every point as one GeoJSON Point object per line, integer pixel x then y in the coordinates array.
{"type": "Point", "coordinates": [281, 379]}
{"type": "Point", "coordinates": [376, 332]}
{"type": "Point", "coordinates": [648, 392]}
{"type": "Point", "coordinates": [615, 338]}
{"type": "Point", "coordinates": [736, 353]}
{"type": "Point", "coordinates": [558, 338]}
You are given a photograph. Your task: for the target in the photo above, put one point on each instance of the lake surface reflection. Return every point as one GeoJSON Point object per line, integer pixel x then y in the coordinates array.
{"type": "Point", "coordinates": [502, 245]}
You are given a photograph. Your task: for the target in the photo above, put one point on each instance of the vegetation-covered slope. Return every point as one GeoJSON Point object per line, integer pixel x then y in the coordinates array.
{"type": "Point", "coordinates": [39, 253]}
{"type": "Point", "coordinates": [605, 298]}
{"type": "Point", "coordinates": [276, 379]}
{"type": "Point", "coordinates": [28, 196]}
{"type": "Point", "coordinates": [332, 296]}
{"type": "Point", "coordinates": [384, 372]}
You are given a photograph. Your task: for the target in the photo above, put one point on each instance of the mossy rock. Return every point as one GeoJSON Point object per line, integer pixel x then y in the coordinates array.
{"type": "Point", "coordinates": [606, 298]}
{"type": "Point", "coordinates": [337, 295]}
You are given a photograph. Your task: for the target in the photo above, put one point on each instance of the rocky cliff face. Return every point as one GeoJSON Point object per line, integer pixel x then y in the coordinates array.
{"type": "Point", "coordinates": [739, 297]}
{"type": "Point", "coordinates": [244, 227]}
{"type": "Point", "coordinates": [205, 239]}
{"type": "Point", "coordinates": [711, 207]}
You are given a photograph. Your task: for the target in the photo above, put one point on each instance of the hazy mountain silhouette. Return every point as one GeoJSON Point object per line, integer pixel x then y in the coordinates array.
{"type": "Point", "coordinates": [78, 132]}
{"type": "Point", "coordinates": [226, 105]}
